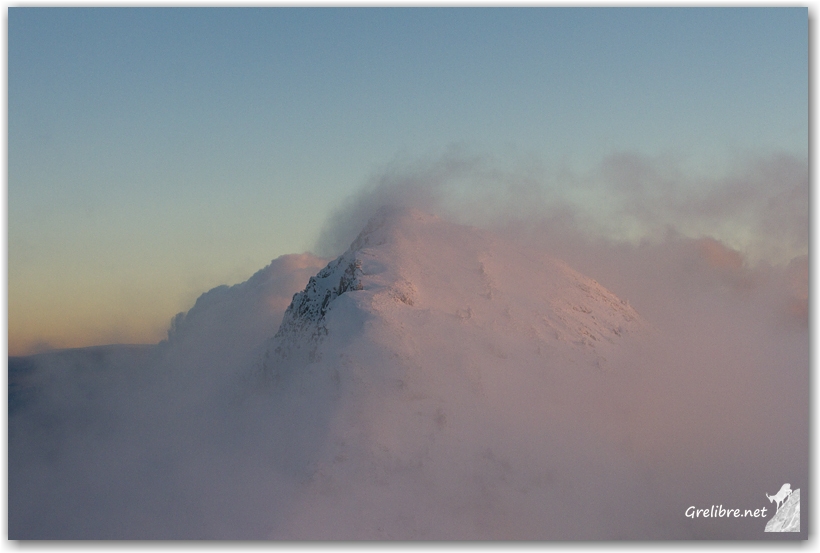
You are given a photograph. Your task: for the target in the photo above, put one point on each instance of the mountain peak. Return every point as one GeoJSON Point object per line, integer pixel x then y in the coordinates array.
{"type": "Point", "coordinates": [407, 265]}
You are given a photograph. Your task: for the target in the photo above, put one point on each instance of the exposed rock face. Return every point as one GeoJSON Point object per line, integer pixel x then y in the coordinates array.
{"type": "Point", "coordinates": [304, 322]}
{"type": "Point", "coordinates": [787, 518]}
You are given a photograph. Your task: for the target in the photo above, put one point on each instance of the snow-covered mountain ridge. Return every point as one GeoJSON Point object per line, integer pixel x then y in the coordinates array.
{"type": "Point", "coordinates": [406, 261]}
{"type": "Point", "coordinates": [436, 381]}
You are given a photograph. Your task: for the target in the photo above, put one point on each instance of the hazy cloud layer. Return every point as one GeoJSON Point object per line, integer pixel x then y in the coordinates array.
{"type": "Point", "coordinates": [759, 208]}
{"type": "Point", "coordinates": [112, 443]}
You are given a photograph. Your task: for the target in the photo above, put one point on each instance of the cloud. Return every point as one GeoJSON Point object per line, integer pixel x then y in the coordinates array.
{"type": "Point", "coordinates": [153, 442]}
{"type": "Point", "coordinates": [421, 185]}
{"type": "Point", "coordinates": [759, 207]}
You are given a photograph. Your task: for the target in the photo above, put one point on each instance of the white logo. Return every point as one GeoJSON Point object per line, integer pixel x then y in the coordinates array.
{"type": "Point", "coordinates": [780, 497]}
{"type": "Point", "coordinates": [787, 516]}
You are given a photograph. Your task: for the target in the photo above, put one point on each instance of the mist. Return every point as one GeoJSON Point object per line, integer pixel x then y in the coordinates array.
{"type": "Point", "coordinates": [717, 266]}
{"type": "Point", "coordinates": [709, 405]}
{"type": "Point", "coordinates": [758, 205]}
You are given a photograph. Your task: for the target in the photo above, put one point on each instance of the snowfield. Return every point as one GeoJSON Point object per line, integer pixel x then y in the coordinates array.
{"type": "Point", "coordinates": [434, 382]}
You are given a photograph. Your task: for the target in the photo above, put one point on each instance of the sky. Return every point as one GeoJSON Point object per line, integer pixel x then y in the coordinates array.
{"type": "Point", "coordinates": [154, 154]}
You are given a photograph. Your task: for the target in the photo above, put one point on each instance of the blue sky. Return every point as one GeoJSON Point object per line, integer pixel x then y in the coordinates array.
{"type": "Point", "coordinates": [156, 153]}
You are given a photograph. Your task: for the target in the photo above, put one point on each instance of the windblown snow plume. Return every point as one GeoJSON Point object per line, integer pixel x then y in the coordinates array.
{"type": "Point", "coordinates": [435, 381]}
